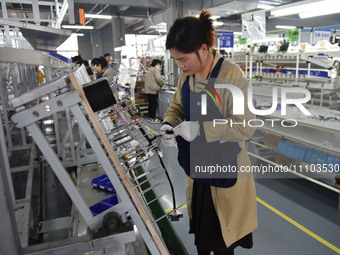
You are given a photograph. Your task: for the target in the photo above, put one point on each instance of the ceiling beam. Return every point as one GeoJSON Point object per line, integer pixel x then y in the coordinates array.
{"type": "Point", "coordinates": [62, 13]}
{"type": "Point", "coordinates": [100, 23]}
{"type": "Point", "coordinates": [160, 4]}
{"type": "Point", "coordinates": [30, 2]}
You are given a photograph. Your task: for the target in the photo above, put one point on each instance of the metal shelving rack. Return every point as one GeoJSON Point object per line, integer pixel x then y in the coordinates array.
{"type": "Point", "coordinates": [299, 67]}
{"type": "Point", "coordinates": [325, 92]}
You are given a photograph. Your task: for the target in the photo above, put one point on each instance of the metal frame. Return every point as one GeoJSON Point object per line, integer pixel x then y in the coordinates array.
{"type": "Point", "coordinates": [69, 101]}
{"type": "Point", "coordinates": [113, 244]}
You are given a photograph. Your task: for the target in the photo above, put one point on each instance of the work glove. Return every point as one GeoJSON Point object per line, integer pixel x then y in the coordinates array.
{"type": "Point", "coordinates": [189, 130]}
{"type": "Point", "coordinates": [168, 137]}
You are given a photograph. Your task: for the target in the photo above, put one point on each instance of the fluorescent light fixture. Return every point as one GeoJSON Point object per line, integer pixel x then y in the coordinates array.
{"type": "Point", "coordinates": [285, 27]}
{"type": "Point", "coordinates": [295, 8]}
{"type": "Point", "coordinates": [217, 23]}
{"type": "Point", "coordinates": [269, 2]}
{"type": "Point", "coordinates": [212, 17]}
{"type": "Point", "coordinates": [118, 49]}
{"type": "Point", "coordinates": [76, 27]}
{"type": "Point", "coordinates": [264, 6]}
{"type": "Point", "coordinates": [97, 16]}
{"type": "Point", "coordinates": [78, 34]}
{"type": "Point", "coordinates": [326, 10]}
{"type": "Point", "coordinates": [161, 24]}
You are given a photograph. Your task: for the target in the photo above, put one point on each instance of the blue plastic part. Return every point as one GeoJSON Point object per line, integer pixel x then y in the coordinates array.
{"type": "Point", "coordinates": [317, 73]}
{"type": "Point", "coordinates": [60, 57]}
{"type": "Point", "coordinates": [320, 157]}
{"type": "Point", "coordinates": [307, 155]}
{"type": "Point", "coordinates": [291, 150]}
{"type": "Point", "coordinates": [104, 205]}
{"type": "Point", "coordinates": [268, 70]}
{"type": "Point", "coordinates": [103, 182]}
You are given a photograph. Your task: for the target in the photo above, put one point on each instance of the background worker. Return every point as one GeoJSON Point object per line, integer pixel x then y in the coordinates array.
{"type": "Point", "coordinates": [103, 69]}
{"type": "Point", "coordinates": [153, 81]}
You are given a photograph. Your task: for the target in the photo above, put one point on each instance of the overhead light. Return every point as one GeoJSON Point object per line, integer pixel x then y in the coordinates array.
{"type": "Point", "coordinates": [78, 34]}
{"type": "Point", "coordinates": [76, 27]}
{"type": "Point", "coordinates": [269, 2]}
{"type": "Point", "coordinates": [212, 17]}
{"type": "Point", "coordinates": [97, 16]}
{"type": "Point", "coordinates": [285, 27]}
{"type": "Point", "coordinates": [118, 49]}
{"type": "Point", "coordinates": [326, 10]}
{"type": "Point", "coordinates": [295, 8]}
{"type": "Point", "coordinates": [217, 23]}
{"type": "Point", "coordinates": [161, 24]}
{"type": "Point", "coordinates": [215, 17]}
{"type": "Point", "coordinates": [265, 6]}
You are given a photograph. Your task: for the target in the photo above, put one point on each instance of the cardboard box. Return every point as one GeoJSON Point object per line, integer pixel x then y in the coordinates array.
{"type": "Point", "coordinates": [137, 101]}
{"type": "Point", "coordinates": [286, 161]}
{"type": "Point", "coordinates": [271, 141]}
{"type": "Point", "coordinates": [140, 84]}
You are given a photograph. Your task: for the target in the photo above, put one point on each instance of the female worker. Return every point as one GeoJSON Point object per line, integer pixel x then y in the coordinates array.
{"type": "Point", "coordinates": [103, 69]}
{"type": "Point", "coordinates": [153, 81]}
{"type": "Point", "coordinates": [222, 209]}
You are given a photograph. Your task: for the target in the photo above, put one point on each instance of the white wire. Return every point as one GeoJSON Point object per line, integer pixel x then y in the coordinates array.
{"type": "Point", "coordinates": [147, 13]}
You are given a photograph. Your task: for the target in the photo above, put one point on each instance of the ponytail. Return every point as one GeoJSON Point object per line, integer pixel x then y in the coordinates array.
{"type": "Point", "coordinates": [189, 33]}
{"type": "Point", "coordinates": [208, 28]}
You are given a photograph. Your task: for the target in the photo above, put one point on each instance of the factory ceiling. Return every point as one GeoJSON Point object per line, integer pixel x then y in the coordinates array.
{"type": "Point", "coordinates": [134, 14]}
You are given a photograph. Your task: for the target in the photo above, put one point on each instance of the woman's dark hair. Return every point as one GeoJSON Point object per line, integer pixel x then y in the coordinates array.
{"type": "Point", "coordinates": [86, 63]}
{"type": "Point", "coordinates": [189, 33]}
{"type": "Point", "coordinates": [77, 59]}
{"type": "Point", "coordinates": [101, 60]}
{"type": "Point", "coordinates": [155, 62]}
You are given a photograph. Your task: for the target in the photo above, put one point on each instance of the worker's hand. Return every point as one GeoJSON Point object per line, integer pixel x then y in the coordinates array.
{"type": "Point", "coordinates": [168, 137]}
{"type": "Point", "coordinates": [189, 130]}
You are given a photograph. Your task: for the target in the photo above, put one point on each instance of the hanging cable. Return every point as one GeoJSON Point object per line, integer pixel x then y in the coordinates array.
{"type": "Point", "coordinates": [174, 216]}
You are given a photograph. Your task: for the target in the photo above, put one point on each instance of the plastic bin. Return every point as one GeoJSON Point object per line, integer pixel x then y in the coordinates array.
{"type": "Point", "coordinates": [104, 205]}
{"type": "Point", "coordinates": [291, 150]}
{"type": "Point", "coordinates": [320, 157]}
{"type": "Point", "coordinates": [103, 182]}
{"type": "Point", "coordinates": [60, 57]}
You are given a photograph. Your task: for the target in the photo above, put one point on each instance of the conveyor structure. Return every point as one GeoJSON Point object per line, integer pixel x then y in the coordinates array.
{"type": "Point", "coordinates": [119, 147]}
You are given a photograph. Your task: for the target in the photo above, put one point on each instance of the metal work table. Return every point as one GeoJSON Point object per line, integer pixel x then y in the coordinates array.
{"type": "Point", "coordinates": [165, 98]}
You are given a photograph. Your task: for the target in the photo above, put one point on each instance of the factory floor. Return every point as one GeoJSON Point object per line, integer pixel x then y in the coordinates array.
{"type": "Point", "coordinates": [295, 216]}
